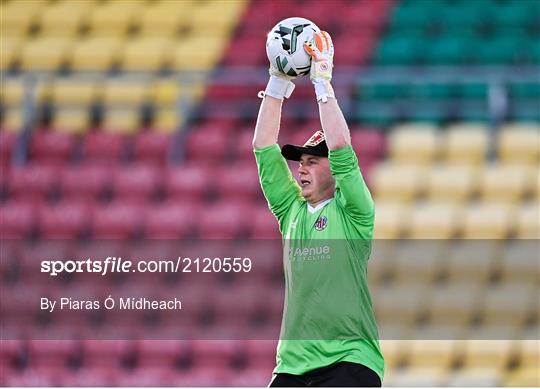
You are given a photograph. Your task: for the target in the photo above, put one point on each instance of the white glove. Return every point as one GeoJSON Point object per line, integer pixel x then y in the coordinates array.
{"type": "Point", "coordinates": [321, 51]}
{"type": "Point", "coordinates": [279, 85]}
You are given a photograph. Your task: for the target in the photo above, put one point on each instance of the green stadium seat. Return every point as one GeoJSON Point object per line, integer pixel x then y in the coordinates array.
{"type": "Point", "coordinates": [400, 49]}
{"type": "Point", "coordinates": [430, 91]}
{"type": "Point", "coordinates": [382, 91]}
{"type": "Point", "coordinates": [450, 50]}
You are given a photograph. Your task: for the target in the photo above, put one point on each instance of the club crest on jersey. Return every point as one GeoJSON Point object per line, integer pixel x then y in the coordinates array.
{"type": "Point", "coordinates": [321, 223]}
{"type": "Point", "coordinates": [315, 139]}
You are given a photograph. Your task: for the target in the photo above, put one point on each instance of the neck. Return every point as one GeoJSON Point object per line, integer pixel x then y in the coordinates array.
{"type": "Point", "coordinates": [315, 203]}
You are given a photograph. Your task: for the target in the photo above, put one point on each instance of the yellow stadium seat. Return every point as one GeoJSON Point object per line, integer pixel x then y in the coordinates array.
{"type": "Point", "coordinates": [165, 18]}
{"type": "Point", "coordinates": [434, 221]}
{"type": "Point", "coordinates": [64, 18]}
{"type": "Point", "coordinates": [13, 120]}
{"type": "Point", "coordinates": [536, 182]}
{"type": "Point", "coordinates": [17, 17]}
{"type": "Point", "coordinates": [508, 183]}
{"type": "Point", "coordinates": [403, 303]}
{"type": "Point", "coordinates": [121, 120]}
{"type": "Point", "coordinates": [167, 120]}
{"type": "Point", "coordinates": [398, 182]}
{"type": "Point", "coordinates": [165, 92]}
{"type": "Point", "coordinates": [414, 143]}
{"type": "Point", "coordinates": [11, 51]}
{"type": "Point", "coordinates": [13, 90]}
{"type": "Point", "coordinates": [476, 377]}
{"type": "Point", "coordinates": [114, 18]}
{"type": "Point", "coordinates": [74, 92]}
{"type": "Point", "coordinates": [472, 260]}
{"type": "Point", "coordinates": [454, 183]}
{"type": "Point", "coordinates": [419, 259]}
{"type": "Point", "coordinates": [382, 259]}
{"type": "Point", "coordinates": [95, 53]}
{"type": "Point", "coordinates": [222, 16]}
{"type": "Point", "coordinates": [488, 221]}
{"type": "Point", "coordinates": [432, 353]}
{"type": "Point", "coordinates": [509, 304]}
{"type": "Point", "coordinates": [519, 143]}
{"type": "Point", "coordinates": [197, 53]}
{"type": "Point", "coordinates": [420, 377]}
{"type": "Point", "coordinates": [520, 260]}
{"type": "Point", "coordinates": [523, 377]}
{"type": "Point", "coordinates": [487, 353]}
{"type": "Point", "coordinates": [47, 53]}
{"type": "Point", "coordinates": [390, 220]}
{"type": "Point", "coordinates": [71, 120]}
{"type": "Point", "coordinates": [146, 53]}
{"type": "Point", "coordinates": [125, 91]}
{"type": "Point", "coordinates": [466, 143]}
{"type": "Point", "coordinates": [392, 350]}
{"type": "Point", "coordinates": [528, 221]}
{"type": "Point", "coordinates": [528, 352]}
{"type": "Point", "coordinates": [454, 303]}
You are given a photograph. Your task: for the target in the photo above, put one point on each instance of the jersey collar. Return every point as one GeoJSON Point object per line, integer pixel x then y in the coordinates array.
{"type": "Point", "coordinates": [319, 206]}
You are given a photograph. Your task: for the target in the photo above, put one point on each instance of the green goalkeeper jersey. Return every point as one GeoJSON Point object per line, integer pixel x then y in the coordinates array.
{"type": "Point", "coordinates": [328, 315]}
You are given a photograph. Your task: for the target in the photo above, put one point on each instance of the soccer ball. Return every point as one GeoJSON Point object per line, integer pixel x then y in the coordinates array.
{"type": "Point", "coordinates": [285, 46]}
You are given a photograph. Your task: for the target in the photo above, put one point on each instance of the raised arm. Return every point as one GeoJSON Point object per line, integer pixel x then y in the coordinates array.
{"type": "Point", "coordinates": [267, 127]}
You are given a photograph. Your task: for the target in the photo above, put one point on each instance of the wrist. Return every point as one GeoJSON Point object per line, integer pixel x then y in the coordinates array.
{"type": "Point", "coordinates": [323, 90]}
{"type": "Point", "coordinates": [279, 87]}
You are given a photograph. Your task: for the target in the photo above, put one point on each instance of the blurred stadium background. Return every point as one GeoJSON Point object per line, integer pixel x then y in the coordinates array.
{"type": "Point", "coordinates": [133, 119]}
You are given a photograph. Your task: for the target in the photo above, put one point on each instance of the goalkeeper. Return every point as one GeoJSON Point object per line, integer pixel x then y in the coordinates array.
{"type": "Point", "coordinates": [329, 335]}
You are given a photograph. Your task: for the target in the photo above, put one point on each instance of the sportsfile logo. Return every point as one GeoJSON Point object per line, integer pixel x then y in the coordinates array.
{"type": "Point", "coordinates": [319, 253]}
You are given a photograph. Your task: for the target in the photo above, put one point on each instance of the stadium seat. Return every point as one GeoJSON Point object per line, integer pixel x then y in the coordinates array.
{"type": "Point", "coordinates": [263, 225]}
{"type": "Point", "coordinates": [528, 222]}
{"type": "Point", "coordinates": [14, 92]}
{"type": "Point", "coordinates": [12, 120]}
{"type": "Point", "coordinates": [45, 53]}
{"type": "Point", "coordinates": [188, 183]}
{"type": "Point", "coordinates": [71, 120]}
{"type": "Point", "coordinates": [475, 377]}
{"type": "Point", "coordinates": [32, 181]}
{"type": "Point", "coordinates": [413, 143]}
{"type": "Point", "coordinates": [152, 147]}
{"type": "Point", "coordinates": [398, 182]}
{"type": "Point", "coordinates": [400, 302]}
{"type": "Point", "coordinates": [465, 144]}
{"type": "Point", "coordinates": [224, 220]}
{"type": "Point", "coordinates": [187, 56]}
{"type": "Point", "coordinates": [419, 259]}
{"type": "Point", "coordinates": [64, 18]}
{"type": "Point", "coordinates": [420, 376]}
{"type": "Point", "coordinates": [18, 219]}
{"type": "Point", "coordinates": [104, 147]}
{"type": "Point", "coordinates": [165, 18]}
{"type": "Point", "coordinates": [391, 220]}
{"type": "Point", "coordinates": [113, 18]}
{"type": "Point", "coordinates": [8, 142]}
{"type": "Point", "coordinates": [451, 183]}
{"type": "Point", "coordinates": [519, 143]}
{"type": "Point", "coordinates": [519, 260]}
{"type": "Point", "coordinates": [66, 220]}
{"type": "Point", "coordinates": [168, 120]}
{"type": "Point", "coordinates": [510, 304]}
{"type": "Point", "coordinates": [207, 145]}
{"type": "Point", "coordinates": [95, 53]}
{"type": "Point", "coordinates": [139, 182]}
{"type": "Point", "coordinates": [486, 353]}
{"type": "Point", "coordinates": [51, 147]}
{"type": "Point", "coordinates": [145, 54]}
{"type": "Point", "coordinates": [121, 120]}
{"type": "Point", "coordinates": [472, 260]}
{"type": "Point", "coordinates": [73, 91]}
{"type": "Point", "coordinates": [221, 16]}
{"type": "Point", "coordinates": [170, 220]}
{"type": "Point", "coordinates": [488, 221]}
{"type": "Point", "coordinates": [455, 303]}
{"type": "Point", "coordinates": [526, 376]}
{"type": "Point", "coordinates": [238, 181]}
{"type": "Point", "coordinates": [434, 221]}
{"type": "Point", "coordinates": [117, 220]}
{"type": "Point", "coordinates": [506, 183]}
{"type": "Point", "coordinates": [11, 51]}
{"type": "Point", "coordinates": [86, 182]}
{"type": "Point", "coordinates": [368, 142]}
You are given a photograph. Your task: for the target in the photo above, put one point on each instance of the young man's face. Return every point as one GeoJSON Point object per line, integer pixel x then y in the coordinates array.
{"type": "Point", "coordinates": [316, 179]}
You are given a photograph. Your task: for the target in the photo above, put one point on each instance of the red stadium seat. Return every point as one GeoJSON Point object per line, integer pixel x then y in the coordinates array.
{"type": "Point", "coordinates": [252, 377]}
{"type": "Point", "coordinates": [224, 220]}
{"type": "Point", "coordinates": [65, 220]}
{"type": "Point", "coordinates": [32, 181]}
{"type": "Point", "coordinates": [204, 376]}
{"type": "Point", "coordinates": [49, 146]}
{"type": "Point", "coordinates": [107, 353]}
{"type": "Point", "coordinates": [215, 353]}
{"type": "Point", "coordinates": [87, 181]}
{"type": "Point", "coordinates": [137, 181]}
{"type": "Point", "coordinates": [243, 148]}
{"type": "Point", "coordinates": [17, 219]}
{"type": "Point", "coordinates": [151, 146]}
{"type": "Point", "coordinates": [368, 142]}
{"type": "Point", "coordinates": [170, 220]}
{"type": "Point", "coordinates": [51, 354]}
{"type": "Point", "coordinates": [103, 146]}
{"type": "Point", "coordinates": [238, 181]}
{"type": "Point", "coordinates": [117, 220]}
{"type": "Point", "coordinates": [8, 141]}
{"type": "Point", "coordinates": [263, 225]}
{"type": "Point", "coordinates": [246, 50]}
{"type": "Point", "coordinates": [208, 145]}
{"type": "Point", "coordinates": [190, 182]}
